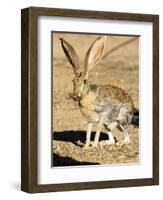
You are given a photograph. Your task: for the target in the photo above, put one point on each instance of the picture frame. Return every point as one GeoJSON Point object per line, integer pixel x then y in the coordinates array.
{"type": "Point", "coordinates": [29, 98]}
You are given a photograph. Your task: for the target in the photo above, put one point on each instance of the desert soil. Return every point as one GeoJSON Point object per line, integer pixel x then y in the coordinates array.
{"type": "Point", "coordinates": [120, 67]}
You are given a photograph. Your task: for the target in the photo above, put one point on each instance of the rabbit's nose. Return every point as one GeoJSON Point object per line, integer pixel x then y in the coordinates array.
{"type": "Point", "coordinates": [77, 97]}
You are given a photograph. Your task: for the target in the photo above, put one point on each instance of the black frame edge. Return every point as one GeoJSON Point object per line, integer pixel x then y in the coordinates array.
{"type": "Point", "coordinates": [156, 100]}
{"type": "Point", "coordinates": [24, 99]}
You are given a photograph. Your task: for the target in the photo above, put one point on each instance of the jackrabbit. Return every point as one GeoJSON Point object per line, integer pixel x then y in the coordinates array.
{"type": "Point", "coordinates": [106, 105]}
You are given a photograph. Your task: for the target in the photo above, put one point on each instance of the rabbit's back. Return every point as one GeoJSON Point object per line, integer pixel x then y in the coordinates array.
{"type": "Point", "coordinates": [111, 93]}
{"type": "Point", "coordinates": [115, 102]}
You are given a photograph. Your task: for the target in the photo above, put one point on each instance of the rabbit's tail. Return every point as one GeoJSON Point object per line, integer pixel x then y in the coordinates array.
{"type": "Point", "coordinates": [135, 118]}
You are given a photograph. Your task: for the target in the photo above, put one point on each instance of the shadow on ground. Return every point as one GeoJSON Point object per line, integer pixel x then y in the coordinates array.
{"type": "Point", "coordinates": [74, 136]}
{"type": "Point", "coordinates": [59, 161]}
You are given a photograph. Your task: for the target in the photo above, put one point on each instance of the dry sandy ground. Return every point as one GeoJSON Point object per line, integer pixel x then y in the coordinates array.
{"type": "Point", "coordinates": [121, 68]}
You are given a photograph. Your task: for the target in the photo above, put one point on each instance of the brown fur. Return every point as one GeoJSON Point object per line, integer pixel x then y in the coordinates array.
{"type": "Point", "coordinates": [99, 96]}
{"type": "Point", "coordinates": [118, 94]}
{"type": "Point", "coordinates": [87, 106]}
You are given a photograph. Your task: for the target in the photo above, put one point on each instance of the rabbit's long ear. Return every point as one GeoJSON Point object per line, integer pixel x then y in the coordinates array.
{"type": "Point", "coordinates": [94, 54]}
{"type": "Point", "coordinates": [71, 55]}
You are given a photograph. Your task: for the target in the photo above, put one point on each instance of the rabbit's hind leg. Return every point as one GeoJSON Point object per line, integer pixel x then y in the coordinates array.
{"type": "Point", "coordinates": [110, 135]}
{"type": "Point", "coordinates": [125, 131]}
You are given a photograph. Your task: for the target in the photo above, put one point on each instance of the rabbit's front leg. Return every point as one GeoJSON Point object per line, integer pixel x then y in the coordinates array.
{"type": "Point", "coordinates": [98, 132]}
{"type": "Point", "coordinates": [88, 135]}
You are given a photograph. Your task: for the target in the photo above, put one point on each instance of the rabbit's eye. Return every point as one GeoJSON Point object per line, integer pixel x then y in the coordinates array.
{"type": "Point", "coordinates": [85, 81]}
